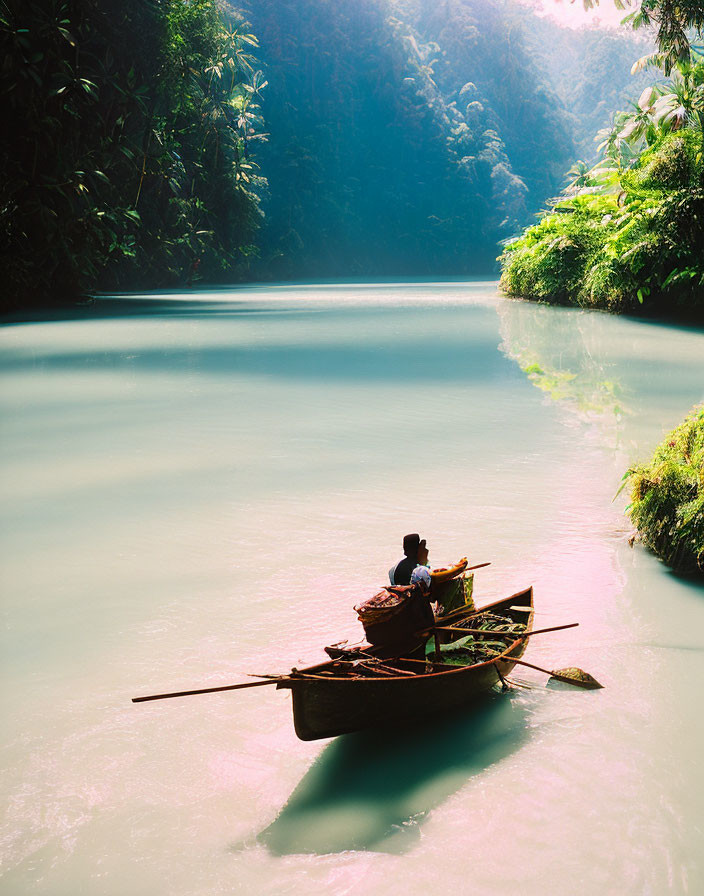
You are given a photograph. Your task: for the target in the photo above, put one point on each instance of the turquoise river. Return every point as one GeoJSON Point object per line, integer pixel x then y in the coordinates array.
{"type": "Point", "coordinates": [196, 486]}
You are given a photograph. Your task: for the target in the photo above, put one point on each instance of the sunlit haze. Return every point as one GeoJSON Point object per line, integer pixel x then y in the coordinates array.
{"type": "Point", "coordinates": [573, 15]}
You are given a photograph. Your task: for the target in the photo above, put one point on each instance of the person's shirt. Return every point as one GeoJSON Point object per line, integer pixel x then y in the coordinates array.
{"type": "Point", "coordinates": [402, 572]}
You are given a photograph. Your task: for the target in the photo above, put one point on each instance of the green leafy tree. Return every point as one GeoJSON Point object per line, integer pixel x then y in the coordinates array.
{"type": "Point", "coordinates": [673, 21]}
{"type": "Point", "coordinates": [125, 146]}
{"type": "Point", "coordinates": [627, 234]}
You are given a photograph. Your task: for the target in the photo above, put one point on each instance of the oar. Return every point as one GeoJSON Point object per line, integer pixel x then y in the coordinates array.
{"type": "Point", "coordinates": [228, 687]}
{"type": "Point", "coordinates": [588, 681]}
{"type": "Point", "coordinates": [270, 679]}
{"type": "Point", "coordinates": [482, 631]}
{"type": "Point", "coordinates": [466, 569]}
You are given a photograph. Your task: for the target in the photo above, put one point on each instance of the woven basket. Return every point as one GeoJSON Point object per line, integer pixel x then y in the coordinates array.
{"type": "Point", "coordinates": [394, 614]}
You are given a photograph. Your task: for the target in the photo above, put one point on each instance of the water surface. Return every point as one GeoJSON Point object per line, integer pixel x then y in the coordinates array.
{"type": "Point", "coordinates": [197, 486]}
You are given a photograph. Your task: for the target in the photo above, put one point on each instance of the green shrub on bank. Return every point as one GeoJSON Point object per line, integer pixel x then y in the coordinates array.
{"type": "Point", "coordinates": [667, 497]}
{"type": "Point", "coordinates": [637, 247]}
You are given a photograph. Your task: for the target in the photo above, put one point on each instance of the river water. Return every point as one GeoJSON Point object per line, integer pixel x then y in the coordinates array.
{"type": "Point", "coordinates": [196, 486]}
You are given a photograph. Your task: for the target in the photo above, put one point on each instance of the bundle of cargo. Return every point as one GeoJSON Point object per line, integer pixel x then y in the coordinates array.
{"type": "Point", "coordinates": [445, 573]}
{"type": "Point", "coordinates": [395, 614]}
{"type": "Point", "coordinates": [490, 634]}
{"type": "Point", "coordinates": [398, 612]}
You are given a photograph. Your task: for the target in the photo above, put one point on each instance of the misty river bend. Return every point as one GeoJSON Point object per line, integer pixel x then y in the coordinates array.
{"type": "Point", "coordinates": [200, 485]}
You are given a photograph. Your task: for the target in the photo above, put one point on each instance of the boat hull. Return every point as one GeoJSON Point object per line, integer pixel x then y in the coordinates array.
{"type": "Point", "coordinates": [329, 706]}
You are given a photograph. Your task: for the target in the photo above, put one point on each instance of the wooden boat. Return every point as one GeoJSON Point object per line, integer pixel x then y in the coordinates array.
{"type": "Point", "coordinates": [346, 695]}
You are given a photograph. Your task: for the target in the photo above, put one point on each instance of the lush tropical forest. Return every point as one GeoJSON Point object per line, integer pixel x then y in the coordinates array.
{"type": "Point", "coordinates": [126, 142]}
{"type": "Point", "coordinates": [282, 282]}
{"type": "Point", "coordinates": [627, 233]}
{"type": "Point", "coordinates": [166, 143]}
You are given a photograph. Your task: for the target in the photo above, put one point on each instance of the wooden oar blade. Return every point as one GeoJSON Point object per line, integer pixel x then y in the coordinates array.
{"type": "Point", "coordinates": [576, 676]}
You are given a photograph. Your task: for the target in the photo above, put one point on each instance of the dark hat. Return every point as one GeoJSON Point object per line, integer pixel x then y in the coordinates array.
{"type": "Point", "coordinates": [411, 543]}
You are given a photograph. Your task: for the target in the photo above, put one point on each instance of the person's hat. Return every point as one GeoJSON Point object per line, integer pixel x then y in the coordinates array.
{"type": "Point", "coordinates": [411, 543]}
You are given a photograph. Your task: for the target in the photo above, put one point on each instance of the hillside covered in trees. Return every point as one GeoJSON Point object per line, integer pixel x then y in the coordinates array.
{"type": "Point", "coordinates": [408, 137]}
{"type": "Point", "coordinates": [165, 143]}
{"type": "Point", "coordinates": [627, 233]}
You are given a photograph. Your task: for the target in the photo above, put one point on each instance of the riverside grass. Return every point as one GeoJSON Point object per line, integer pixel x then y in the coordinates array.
{"type": "Point", "coordinates": [667, 496]}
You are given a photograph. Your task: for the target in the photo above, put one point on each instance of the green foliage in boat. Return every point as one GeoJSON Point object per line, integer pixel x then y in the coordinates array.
{"type": "Point", "coordinates": [667, 496]}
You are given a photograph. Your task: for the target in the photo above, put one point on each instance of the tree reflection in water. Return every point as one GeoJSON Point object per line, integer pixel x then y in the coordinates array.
{"type": "Point", "coordinates": [561, 352]}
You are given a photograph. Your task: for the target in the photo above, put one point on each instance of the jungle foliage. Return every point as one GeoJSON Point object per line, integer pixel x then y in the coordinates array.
{"type": "Point", "coordinates": [590, 69]}
{"type": "Point", "coordinates": [126, 145]}
{"type": "Point", "coordinates": [667, 497]}
{"type": "Point", "coordinates": [673, 22]}
{"type": "Point", "coordinates": [627, 234]}
{"type": "Point", "coordinates": [405, 137]}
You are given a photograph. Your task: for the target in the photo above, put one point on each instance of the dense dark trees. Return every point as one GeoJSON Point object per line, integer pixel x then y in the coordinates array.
{"type": "Point", "coordinates": [377, 176]}
{"type": "Point", "coordinates": [372, 169]}
{"type": "Point", "coordinates": [125, 141]}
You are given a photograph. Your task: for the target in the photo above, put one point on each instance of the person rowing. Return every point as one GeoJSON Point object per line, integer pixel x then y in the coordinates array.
{"type": "Point", "coordinates": [415, 554]}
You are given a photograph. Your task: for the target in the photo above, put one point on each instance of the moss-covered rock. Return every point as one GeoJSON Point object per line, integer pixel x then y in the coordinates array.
{"type": "Point", "coordinates": [667, 497]}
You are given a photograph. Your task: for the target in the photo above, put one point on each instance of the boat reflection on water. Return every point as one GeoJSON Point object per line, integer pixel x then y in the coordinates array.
{"type": "Point", "coordinates": [372, 790]}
